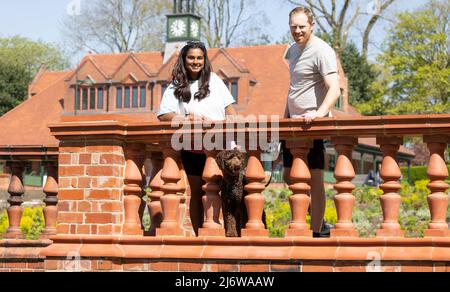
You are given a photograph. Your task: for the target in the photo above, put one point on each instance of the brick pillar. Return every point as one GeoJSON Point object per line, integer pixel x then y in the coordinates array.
{"type": "Point", "coordinates": [90, 199]}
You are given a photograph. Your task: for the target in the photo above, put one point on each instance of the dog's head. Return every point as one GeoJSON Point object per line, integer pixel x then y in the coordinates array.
{"type": "Point", "coordinates": [231, 162]}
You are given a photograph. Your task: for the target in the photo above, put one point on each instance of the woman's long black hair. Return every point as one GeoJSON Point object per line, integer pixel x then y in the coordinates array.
{"type": "Point", "coordinates": [180, 76]}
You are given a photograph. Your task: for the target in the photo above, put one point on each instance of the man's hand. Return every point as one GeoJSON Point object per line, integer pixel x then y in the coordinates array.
{"type": "Point", "coordinates": [310, 116]}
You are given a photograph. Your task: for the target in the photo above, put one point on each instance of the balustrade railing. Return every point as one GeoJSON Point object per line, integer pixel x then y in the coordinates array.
{"type": "Point", "coordinates": [167, 201]}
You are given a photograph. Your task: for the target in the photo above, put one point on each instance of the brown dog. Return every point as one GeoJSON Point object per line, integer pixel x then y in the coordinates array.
{"type": "Point", "coordinates": [233, 163]}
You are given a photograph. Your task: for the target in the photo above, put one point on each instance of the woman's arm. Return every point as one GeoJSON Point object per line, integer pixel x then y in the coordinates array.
{"type": "Point", "coordinates": [167, 117]}
{"type": "Point", "coordinates": [230, 110]}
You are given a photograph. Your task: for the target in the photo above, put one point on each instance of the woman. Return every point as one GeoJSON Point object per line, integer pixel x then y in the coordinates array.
{"type": "Point", "coordinates": [195, 92]}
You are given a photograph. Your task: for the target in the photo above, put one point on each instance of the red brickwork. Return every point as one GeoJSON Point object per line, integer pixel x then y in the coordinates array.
{"type": "Point", "coordinates": [143, 265]}
{"type": "Point", "coordinates": [90, 188]}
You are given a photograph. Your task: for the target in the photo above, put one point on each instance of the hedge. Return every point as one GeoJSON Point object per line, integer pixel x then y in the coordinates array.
{"type": "Point", "coordinates": [417, 173]}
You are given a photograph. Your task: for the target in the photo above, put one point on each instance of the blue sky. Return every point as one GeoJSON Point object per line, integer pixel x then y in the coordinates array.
{"type": "Point", "coordinates": [41, 19]}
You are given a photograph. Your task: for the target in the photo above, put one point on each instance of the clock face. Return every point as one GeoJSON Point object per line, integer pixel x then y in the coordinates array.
{"type": "Point", "coordinates": [195, 30]}
{"type": "Point", "coordinates": [178, 28]}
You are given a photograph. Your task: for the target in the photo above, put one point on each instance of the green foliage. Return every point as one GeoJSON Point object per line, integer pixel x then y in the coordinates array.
{"type": "Point", "coordinates": [414, 215]}
{"type": "Point", "coordinates": [14, 80]}
{"type": "Point", "coordinates": [418, 173]}
{"type": "Point", "coordinates": [32, 223]}
{"type": "Point", "coordinates": [278, 211]}
{"type": "Point", "coordinates": [20, 59]}
{"type": "Point", "coordinates": [4, 223]}
{"type": "Point", "coordinates": [417, 62]}
{"type": "Point", "coordinates": [32, 54]}
{"type": "Point", "coordinates": [359, 72]}
{"type": "Point", "coordinates": [360, 75]}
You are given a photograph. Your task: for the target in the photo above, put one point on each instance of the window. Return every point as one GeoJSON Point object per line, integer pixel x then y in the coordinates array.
{"type": "Point", "coordinates": [92, 99]}
{"type": "Point", "coordinates": [234, 90]}
{"type": "Point", "coordinates": [127, 97]}
{"type": "Point", "coordinates": [143, 97]}
{"type": "Point", "coordinates": [77, 98]}
{"type": "Point", "coordinates": [135, 97]}
{"type": "Point", "coordinates": [85, 99]}
{"type": "Point", "coordinates": [340, 102]}
{"type": "Point", "coordinates": [100, 98]}
{"type": "Point", "coordinates": [163, 88]}
{"type": "Point", "coordinates": [119, 97]}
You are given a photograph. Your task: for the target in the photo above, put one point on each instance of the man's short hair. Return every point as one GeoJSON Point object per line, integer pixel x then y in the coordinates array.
{"type": "Point", "coordinates": [304, 10]}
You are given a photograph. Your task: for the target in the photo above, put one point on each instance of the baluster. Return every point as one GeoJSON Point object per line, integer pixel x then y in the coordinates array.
{"type": "Point", "coordinates": [211, 200]}
{"type": "Point", "coordinates": [15, 210]}
{"type": "Point", "coordinates": [51, 199]}
{"type": "Point", "coordinates": [344, 174]}
{"type": "Point", "coordinates": [254, 201]}
{"type": "Point", "coordinates": [438, 199]}
{"type": "Point", "coordinates": [300, 179]}
{"type": "Point", "coordinates": [156, 183]}
{"type": "Point", "coordinates": [171, 199]}
{"type": "Point", "coordinates": [133, 190]}
{"type": "Point", "coordinates": [390, 200]}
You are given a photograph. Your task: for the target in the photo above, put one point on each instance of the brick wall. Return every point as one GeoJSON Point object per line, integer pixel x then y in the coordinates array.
{"type": "Point", "coordinates": [146, 265]}
{"type": "Point", "coordinates": [90, 188]}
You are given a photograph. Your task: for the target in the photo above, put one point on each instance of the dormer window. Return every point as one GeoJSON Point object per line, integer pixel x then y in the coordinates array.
{"type": "Point", "coordinates": [233, 88]}
{"type": "Point", "coordinates": [131, 96]}
{"type": "Point", "coordinates": [89, 98]}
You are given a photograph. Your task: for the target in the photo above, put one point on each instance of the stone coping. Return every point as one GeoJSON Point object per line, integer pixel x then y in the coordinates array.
{"type": "Point", "coordinates": [150, 132]}
{"type": "Point", "coordinates": [21, 249]}
{"type": "Point", "coordinates": [252, 248]}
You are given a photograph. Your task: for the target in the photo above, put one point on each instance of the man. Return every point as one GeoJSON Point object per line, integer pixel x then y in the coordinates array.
{"type": "Point", "coordinates": [314, 90]}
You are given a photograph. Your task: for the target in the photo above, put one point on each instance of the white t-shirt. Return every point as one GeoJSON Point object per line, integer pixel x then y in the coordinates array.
{"type": "Point", "coordinates": [212, 107]}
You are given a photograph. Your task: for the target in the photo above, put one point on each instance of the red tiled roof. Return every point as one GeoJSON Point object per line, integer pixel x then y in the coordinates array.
{"type": "Point", "coordinates": [26, 124]}
{"type": "Point", "coordinates": [43, 80]}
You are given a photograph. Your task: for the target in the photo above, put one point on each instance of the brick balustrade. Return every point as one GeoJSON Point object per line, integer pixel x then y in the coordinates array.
{"type": "Point", "coordinates": [100, 188]}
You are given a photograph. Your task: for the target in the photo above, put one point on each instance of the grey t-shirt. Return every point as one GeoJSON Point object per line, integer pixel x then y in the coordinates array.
{"type": "Point", "coordinates": [308, 68]}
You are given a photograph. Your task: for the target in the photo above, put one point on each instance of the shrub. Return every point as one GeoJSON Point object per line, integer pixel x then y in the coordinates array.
{"type": "Point", "coordinates": [418, 173]}
{"type": "Point", "coordinates": [32, 223]}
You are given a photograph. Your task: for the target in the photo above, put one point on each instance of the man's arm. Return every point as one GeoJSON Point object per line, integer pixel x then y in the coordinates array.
{"type": "Point", "coordinates": [334, 91]}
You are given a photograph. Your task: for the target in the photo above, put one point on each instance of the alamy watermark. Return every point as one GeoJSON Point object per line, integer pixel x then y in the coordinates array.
{"type": "Point", "coordinates": [249, 133]}
{"type": "Point", "coordinates": [74, 8]}
{"type": "Point", "coordinates": [373, 7]}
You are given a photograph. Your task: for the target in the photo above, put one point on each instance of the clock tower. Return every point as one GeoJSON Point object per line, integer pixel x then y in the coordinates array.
{"type": "Point", "coordinates": [182, 26]}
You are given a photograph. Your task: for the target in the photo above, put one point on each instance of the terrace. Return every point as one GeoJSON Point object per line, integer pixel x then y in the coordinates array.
{"type": "Point", "coordinates": [96, 184]}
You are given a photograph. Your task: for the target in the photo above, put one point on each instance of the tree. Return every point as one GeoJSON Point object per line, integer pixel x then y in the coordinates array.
{"type": "Point", "coordinates": [232, 22]}
{"type": "Point", "coordinates": [32, 54]}
{"type": "Point", "coordinates": [14, 80]}
{"type": "Point", "coordinates": [338, 20]}
{"type": "Point", "coordinates": [417, 55]}
{"type": "Point", "coordinates": [360, 74]}
{"type": "Point", "coordinates": [20, 59]}
{"type": "Point", "coordinates": [117, 26]}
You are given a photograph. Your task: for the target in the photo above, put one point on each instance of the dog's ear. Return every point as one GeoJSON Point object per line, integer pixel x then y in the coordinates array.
{"type": "Point", "coordinates": [220, 160]}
